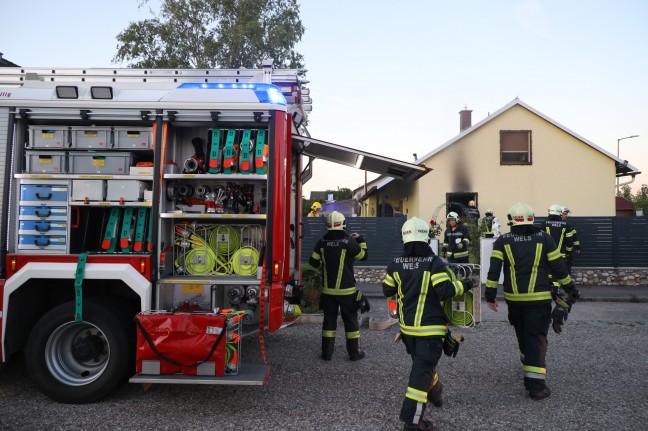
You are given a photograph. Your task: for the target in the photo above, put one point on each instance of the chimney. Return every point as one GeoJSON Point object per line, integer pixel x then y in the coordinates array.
{"type": "Point", "coordinates": [465, 120]}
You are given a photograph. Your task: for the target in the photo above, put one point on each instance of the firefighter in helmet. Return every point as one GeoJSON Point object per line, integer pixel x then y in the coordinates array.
{"type": "Point", "coordinates": [472, 213]}
{"type": "Point", "coordinates": [529, 255]}
{"type": "Point", "coordinates": [420, 281]}
{"type": "Point", "coordinates": [314, 210]}
{"type": "Point", "coordinates": [490, 225]}
{"type": "Point", "coordinates": [561, 232]}
{"type": "Point", "coordinates": [577, 245]}
{"type": "Point", "coordinates": [455, 240]}
{"type": "Point", "coordinates": [335, 253]}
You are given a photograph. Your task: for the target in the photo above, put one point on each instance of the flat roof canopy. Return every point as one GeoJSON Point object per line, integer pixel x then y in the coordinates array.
{"type": "Point", "coordinates": [358, 159]}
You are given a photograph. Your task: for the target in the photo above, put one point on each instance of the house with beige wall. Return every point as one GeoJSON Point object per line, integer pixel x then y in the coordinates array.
{"type": "Point", "coordinates": [515, 154]}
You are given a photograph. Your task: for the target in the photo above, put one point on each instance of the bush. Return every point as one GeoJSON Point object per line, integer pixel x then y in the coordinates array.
{"type": "Point", "coordinates": [313, 283]}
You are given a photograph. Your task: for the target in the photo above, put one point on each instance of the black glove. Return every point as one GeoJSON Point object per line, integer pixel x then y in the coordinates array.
{"type": "Point", "coordinates": [558, 318]}
{"type": "Point", "coordinates": [573, 294]}
{"type": "Point", "coordinates": [360, 239]}
{"type": "Point", "coordinates": [451, 343]}
{"type": "Point", "coordinates": [444, 252]}
{"type": "Point", "coordinates": [361, 302]}
{"type": "Point", "coordinates": [467, 284]}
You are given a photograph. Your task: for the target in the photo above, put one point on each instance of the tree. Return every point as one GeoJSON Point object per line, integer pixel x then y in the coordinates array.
{"type": "Point", "coordinates": [641, 199]}
{"type": "Point", "coordinates": [208, 34]}
{"type": "Point", "coordinates": [341, 194]}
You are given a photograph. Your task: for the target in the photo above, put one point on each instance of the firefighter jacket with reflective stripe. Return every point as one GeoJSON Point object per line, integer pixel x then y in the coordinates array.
{"type": "Point", "coordinates": [420, 283]}
{"type": "Point", "coordinates": [450, 241]}
{"type": "Point", "coordinates": [571, 231]}
{"type": "Point", "coordinates": [487, 224]}
{"type": "Point", "coordinates": [336, 252]}
{"type": "Point", "coordinates": [561, 232]}
{"type": "Point", "coordinates": [528, 261]}
{"type": "Point", "coordinates": [473, 215]}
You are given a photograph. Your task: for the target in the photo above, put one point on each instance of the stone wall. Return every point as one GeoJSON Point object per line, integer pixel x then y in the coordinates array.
{"type": "Point", "coordinates": [582, 276]}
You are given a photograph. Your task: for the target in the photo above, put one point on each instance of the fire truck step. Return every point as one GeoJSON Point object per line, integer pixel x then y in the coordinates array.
{"type": "Point", "coordinates": [249, 374]}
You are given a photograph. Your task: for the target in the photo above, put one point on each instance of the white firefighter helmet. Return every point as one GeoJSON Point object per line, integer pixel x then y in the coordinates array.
{"type": "Point", "coordinates": [520, 214]}
{"type": "Point", "coordinates": [453, 215]}
{"type": "Point", "coordinates": [335, 221]}
{"type": "Point", "coordinates": [489, 212]}
{"type": "Point", "coordinates": [566, 210]}
{"type": "Point", "coordinates": [415, 229]}
{"type": "Point", "coordinates": [555, 209]}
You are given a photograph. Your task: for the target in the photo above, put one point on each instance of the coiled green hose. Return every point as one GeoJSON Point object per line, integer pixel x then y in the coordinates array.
{"type": "Point", "coordinates": [459, 317]}
{"type": "Point", "coordinates": [245, 268]}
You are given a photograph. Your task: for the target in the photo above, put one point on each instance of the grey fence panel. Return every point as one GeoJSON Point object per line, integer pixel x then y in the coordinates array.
{"type": "Point", "coordinates": [632, 234]}
{"type": "Point", "coordinates": [605, 241]}
{"type": "Point", "coordinates": [381, 233]}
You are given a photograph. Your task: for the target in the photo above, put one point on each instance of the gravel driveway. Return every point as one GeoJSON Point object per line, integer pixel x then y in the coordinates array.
{"type": "Point", "coordinates": [597, 370]}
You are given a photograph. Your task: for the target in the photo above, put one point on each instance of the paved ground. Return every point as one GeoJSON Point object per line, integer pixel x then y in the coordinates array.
{"type": "Point", "coordinates": [597, 370]}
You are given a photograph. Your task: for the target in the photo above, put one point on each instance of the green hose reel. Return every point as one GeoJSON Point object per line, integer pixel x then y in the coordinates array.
{"type": "Point", "coordinates": [459, 310]}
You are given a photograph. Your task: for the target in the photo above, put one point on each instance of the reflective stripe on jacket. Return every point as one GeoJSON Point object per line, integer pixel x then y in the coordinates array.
{"type": "Point", "coordinates": [420, 283]}
{"type": "Point", "coordinates": [528, 261]}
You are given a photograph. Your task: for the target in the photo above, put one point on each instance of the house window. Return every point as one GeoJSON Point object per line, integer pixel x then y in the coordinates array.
{"type": "Point", "coordinates": [515, 147]}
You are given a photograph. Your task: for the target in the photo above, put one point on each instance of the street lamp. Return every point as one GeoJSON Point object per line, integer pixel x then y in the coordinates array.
{"type": "Point", "coordinates": [621, 139]}
{"type": "Point", "coordinates": [618, 142]}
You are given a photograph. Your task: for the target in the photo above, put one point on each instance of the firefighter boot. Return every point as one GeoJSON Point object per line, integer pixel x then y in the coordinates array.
{"type": "Point", "coordinates": [352, 345]}
{"type": "Point", "coordinates": [540, 394]}
{"type": "Point", "coordinates": [423, 425]}
{"type": "Point", "coordinates": [435, 394]}
{"type": "Point", "coordinates": [328, 344]}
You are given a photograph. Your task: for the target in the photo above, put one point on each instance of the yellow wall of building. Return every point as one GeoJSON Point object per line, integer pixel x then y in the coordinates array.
{"type": "Point", "coordinates": [564, 171]}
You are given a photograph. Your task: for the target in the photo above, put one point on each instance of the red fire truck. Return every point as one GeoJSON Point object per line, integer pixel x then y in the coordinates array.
{"type": "Point", "coordinates": [166, 197]}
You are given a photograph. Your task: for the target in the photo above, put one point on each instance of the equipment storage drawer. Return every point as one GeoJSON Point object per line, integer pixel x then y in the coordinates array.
{"type": "Point", "coordinates": [43, 194]}
{"type": "Point", "coordinates": [97, 138]}
{"type": "Point", "coordinates": [194, 342]}
{"type": "Point", "coordinates": [129, 137]}
{"type": "Point", "coordinates": [28, 227]}
{"type": "Point", "coordinates": [48, 137]}
{"type": "Point", "coordinates": [88, 190]}
{"type": "Point", "coordinates": [125, 190]}
{"type": "Point", "coordinates": [99, 163]}
{"type": "Point", "coordinates": [43, 213]}
{"type": "Point", "coordinates": [38, 162]}
{"type": "Point", "coordinates": [41, 242]}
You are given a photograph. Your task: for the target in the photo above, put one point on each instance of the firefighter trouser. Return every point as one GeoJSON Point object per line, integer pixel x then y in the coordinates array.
{"type": "Point", "coordinates": [460, 259]}
{"type": "Point", "coordinates": [531, 321]}
{"type": "Point", "coordinates": [425, 353]}
{"type": "Point", "coordinates": [329, 304]}
{"type": "Point", "coordinates": [569, 260]}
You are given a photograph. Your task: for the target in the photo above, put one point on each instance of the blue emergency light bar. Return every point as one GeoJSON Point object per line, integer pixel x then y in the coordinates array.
{"type": "Point", "coordinates": [266, 93]}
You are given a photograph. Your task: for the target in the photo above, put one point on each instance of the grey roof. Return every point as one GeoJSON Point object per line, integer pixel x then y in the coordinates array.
{"type": "Point", "coordinates": [6, 63]}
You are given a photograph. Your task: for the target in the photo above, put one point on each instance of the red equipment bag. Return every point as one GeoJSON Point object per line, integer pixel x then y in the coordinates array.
{"type": "Point", "coordinates": [189, 344]}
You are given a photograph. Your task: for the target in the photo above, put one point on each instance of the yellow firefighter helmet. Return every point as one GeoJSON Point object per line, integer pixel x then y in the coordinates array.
{"type": "Point", "coordinates": [316, 206]}
{"type": "Point", "coordinates": [415, 229]}
{"type": "Point", "coordinates": [472, 203]}
{"type": "Point", "coordinates": [520, 214]}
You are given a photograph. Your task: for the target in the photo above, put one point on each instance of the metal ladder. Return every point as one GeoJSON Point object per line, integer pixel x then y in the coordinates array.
{"type": "Point", "coordinates": [16, 76]}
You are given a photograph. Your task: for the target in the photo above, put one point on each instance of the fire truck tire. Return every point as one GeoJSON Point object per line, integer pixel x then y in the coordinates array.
{"type": "Point", "coordinates": [81, 362]}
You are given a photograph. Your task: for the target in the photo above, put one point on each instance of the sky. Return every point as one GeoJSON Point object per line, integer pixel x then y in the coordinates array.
{"type": "Point", "coordinates": [391, 77]}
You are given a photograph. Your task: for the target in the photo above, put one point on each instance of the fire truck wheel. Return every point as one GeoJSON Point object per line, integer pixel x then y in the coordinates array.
{"type": "Point", "coordinates": [81, 362]}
